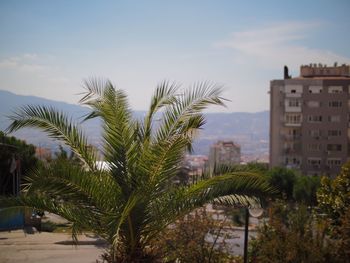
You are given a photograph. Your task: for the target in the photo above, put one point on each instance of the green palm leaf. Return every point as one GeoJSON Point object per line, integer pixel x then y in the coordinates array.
{"type": "Point", "coordinates": [58, 126]}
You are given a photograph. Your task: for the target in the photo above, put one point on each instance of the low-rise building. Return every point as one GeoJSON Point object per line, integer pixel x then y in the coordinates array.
{"type": "Point", "coordinates": [224, 153]}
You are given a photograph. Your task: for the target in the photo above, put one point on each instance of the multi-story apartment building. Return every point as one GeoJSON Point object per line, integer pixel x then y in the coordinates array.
{"type": "Point", "coordinates": [309, 125]}
{"type": "Point", "coordinates": [224, 153]}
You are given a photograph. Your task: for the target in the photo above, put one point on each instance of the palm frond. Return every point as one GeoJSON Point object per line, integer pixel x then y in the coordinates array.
{"type": "Point", "coordinates": [58, 126]}
{"type": "Point", "coordinates": [74, 184]}
{"type": "Point", "coordinates": [81, 217]}
{"type": "Point", "coordinates": [94, 88]}
{"type": "Point", "coordinates": [240, 189]}
{"type": "Point", "coordinates": [191, 102]}
{"type": "Point", "coordinates": [180, 123]}
{"type": "Point", "coordinates": [112, 107]}
{"type": "Point", "coordinates": [164, 95]}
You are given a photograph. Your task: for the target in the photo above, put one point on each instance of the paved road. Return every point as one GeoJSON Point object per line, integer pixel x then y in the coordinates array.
{"type": "Point", "coordinates": [17, 246]}
{"type": "Point", "coordinates": [235, 243]}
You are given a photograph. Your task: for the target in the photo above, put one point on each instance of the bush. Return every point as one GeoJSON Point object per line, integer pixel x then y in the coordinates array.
{"type": "Point", "coordinates": [292, 235]}
{"type": "Point", "coordinates": [197, 237]}
{"type": "Point", "coordinates": [334, 202]}
{"type": "Point", "coordinates": [334, 195]}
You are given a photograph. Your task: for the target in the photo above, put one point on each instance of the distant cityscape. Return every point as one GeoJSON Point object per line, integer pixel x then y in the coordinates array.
{"type": "Point", "coordinates": [249, 130]}
{"type": "Point", "coordinates": [308, 129]}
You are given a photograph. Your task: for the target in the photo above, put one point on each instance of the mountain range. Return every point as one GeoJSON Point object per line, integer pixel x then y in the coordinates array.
{"type": "Point", "coordinates": [250, 130]}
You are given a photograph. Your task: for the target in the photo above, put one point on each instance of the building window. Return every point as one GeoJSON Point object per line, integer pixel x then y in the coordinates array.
{"type": "Point", "coordinates": [316, 162]}
{"type": "Point", "coordinates": [314, 118]}
{"type": "Point", "coordinates": [315, 133]}
{"type": "Point", "coordinates": [334, 162]}
{"type": "Point", "coordinates": [334, 147]}
{"type": "Point", "coordinates": [294, 89]}
{"type": "Point", "coordinates": [335, 104]}
{"type": "Point", "coordinates": [293, 103]}
{"type": "Point", "coordinates": [314, 147]}
{"type": "Point", "coordinates": [313, 104]}
{"type": "Point", "coordinates": [334, 118]}
{"type": "Point", "coordinates": [293, 118]}
{"type": "Point", "coordinates": [293, 161]}
{"type": "Point", "coordinates": [335, 89]}
{"type": "Point", "coordinates": [293, 134]}
{"type": "Point", "coordinates": [334, 133]}
{"type": "Point", "coordinates": [315, 89]}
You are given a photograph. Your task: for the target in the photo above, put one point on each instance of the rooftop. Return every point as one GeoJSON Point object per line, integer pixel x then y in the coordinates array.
{"type": "Point", "coordinates": [324, 71]}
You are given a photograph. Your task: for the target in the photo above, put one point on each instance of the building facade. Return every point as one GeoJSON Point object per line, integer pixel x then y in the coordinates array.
{"type": "Point", "coordinates": [309, 120]}
{"type": "Point", "coordinates": [224, 153]}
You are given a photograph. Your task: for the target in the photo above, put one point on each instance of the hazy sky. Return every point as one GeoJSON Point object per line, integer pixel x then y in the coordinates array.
{"type": "Point", "coordinates": [48, 47]}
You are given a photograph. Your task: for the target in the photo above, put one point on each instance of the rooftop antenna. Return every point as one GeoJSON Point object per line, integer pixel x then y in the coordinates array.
{"type": "Point", "coordinates": [286, 73]}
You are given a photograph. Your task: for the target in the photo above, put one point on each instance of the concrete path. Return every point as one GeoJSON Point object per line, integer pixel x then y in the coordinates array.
{"type": "Point", "coordinates": [17, 246]}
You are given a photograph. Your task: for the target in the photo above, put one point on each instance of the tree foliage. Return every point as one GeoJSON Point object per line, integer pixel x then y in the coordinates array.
{"type": "Point", "coordinates": [305, 189]}
{"type": "Point", "coordinates": [334, 194]}
{"type": "Point", "coordinates": [283, 179]}
{"type": "Point", "coordinates": [334, 202]}
{"type": "Point", "coordinates": [292, 235]}
{"type": "Point", "coordinates": [10, 146]}
{"type": "Point", "coordinates": [341, 241]}
{"type": "Point", "coordinates": [130, 203]}
{"type": "Point", "coordinates": [293, 186]}
{"type": "Point", "coordinates": [320, 234]}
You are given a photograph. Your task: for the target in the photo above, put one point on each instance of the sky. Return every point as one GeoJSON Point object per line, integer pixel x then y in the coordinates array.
{"type": "Point", "coordinates": [48, 48]}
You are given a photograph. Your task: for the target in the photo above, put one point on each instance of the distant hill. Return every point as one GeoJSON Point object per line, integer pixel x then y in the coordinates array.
{"type": "Point", "coordinates": [250, 130]}
{"type": "Point", "coordinates": [9, 102]}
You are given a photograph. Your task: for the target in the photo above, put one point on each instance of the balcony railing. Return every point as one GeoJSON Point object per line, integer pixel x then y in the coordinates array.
{"type": "Point", "coordinates": [293, 166]}
{"type": "Point", "coordinates": [291, 137]}
{"type": "Point", "coordinates": [292, 124]}
{"type": "Point", "coordinates": [292, 109]}
{"type": "Point", "coordinates": [293, 95]}
{"type": "Point", "coordinates": [292, 150]}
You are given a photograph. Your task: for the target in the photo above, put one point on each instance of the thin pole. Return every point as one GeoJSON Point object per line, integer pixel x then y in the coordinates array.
{"type": "Point", "coordinates": [13, 183]}
{"type": "Point", "coordinates": [246, 235]}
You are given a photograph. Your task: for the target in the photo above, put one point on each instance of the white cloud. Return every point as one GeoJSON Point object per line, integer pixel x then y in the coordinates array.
{"type": "Point", "coordinates": [30, 56]}
{"type": "Point", "coordinates": [277, 45]}
{"type": "Point", "coordinates": [25, 63]}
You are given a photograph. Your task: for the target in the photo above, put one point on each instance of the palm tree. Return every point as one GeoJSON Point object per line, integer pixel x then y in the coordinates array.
{"type": "Point", "coordinates": [132, 202]}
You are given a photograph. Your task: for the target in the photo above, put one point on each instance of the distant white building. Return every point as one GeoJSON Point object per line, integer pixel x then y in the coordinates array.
{"type": "Point", "coordinates": [224, 153]}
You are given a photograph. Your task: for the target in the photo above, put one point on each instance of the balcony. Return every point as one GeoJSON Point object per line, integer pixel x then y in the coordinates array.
{"type": "Point", "coordinates": [293, 95]}
{"type": "Point", "coordinates": [293, 166]}
{"type": "Point", "coordinates": [293, 137]}
{"type": "Point", "coordinates": [315, 166]}
{"type": "Point", "coordinates": [292, 151]}
{"type": "Point", "coordinates": [292, 109]}
{"type": "Point", "coordinates": [292, 124]}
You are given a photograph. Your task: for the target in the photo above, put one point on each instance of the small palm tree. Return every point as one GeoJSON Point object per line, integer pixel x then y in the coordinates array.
{"type": "Point", "coordinates": [130, 203]}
